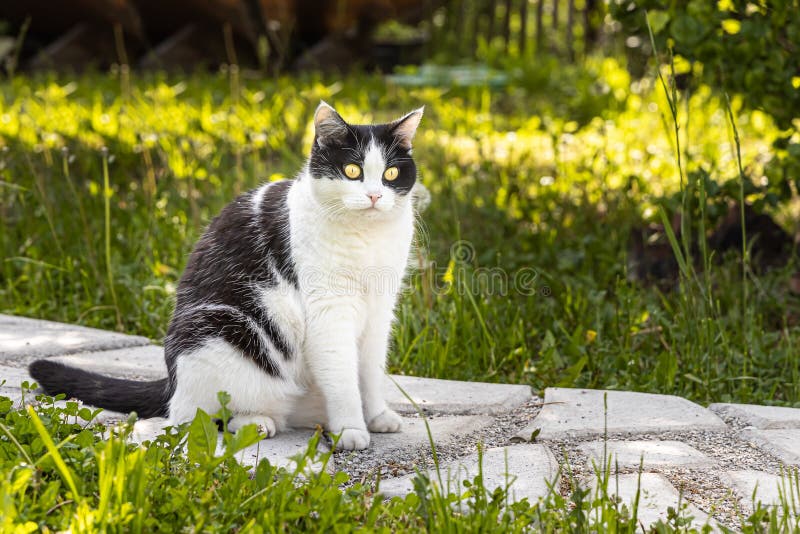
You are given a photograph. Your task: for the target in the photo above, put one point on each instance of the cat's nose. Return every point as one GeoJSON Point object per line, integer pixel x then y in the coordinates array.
{"type": "Point", "coordinates": [374, 197]}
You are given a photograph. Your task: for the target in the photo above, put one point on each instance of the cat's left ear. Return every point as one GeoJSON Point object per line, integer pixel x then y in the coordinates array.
{"type": "Point", "coordinates": [329, 126]}
{"type": "Point", "coordinates": [405, 127]}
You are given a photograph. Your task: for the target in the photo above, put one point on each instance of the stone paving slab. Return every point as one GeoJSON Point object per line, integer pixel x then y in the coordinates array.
{"type": "Point", "coordinates": [527, 470]}
{"type": "Point", "coordinates": [783, 443]}
{"type": "Point", "coordinates": [279, 450]}
{"type": "Point", "coordinates": [454, 397]}
{"type": "Point", "coordinates": [13, 376]}
{"type": "Point", "coordinates": [579, 413]}
{"type": "Point", "coordinates": [647, 453]}
{"type": "Point", "coordinates": [767, 487]}
{"type": "Point", "coordinates": [657, 495]}
{"type": "Point", "coordinates": [763, 417]}
{"type": "Point", "coordinates": [415, 435]}
{"type": "Point", "coordinates": [284, 445]}
{"type": "Point", "coordinates": [463, 410]}
{"type": "Point", "coordinates": [138, 363]}
{"type": "Point", "coordinates": [431, 395]}
{"type": "Point", "coordinates": [24, 340]}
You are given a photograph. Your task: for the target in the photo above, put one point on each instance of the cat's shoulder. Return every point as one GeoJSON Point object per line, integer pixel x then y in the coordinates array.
{"type": "Point", "coordinates": [268, 199]}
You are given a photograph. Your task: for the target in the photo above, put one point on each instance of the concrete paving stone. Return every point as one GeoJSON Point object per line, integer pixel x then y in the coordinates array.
{"type": "Point", "coordinates": [279, 450]}
{"type": "Point", "coordinates": [284, 445]}
{"type": "Point", "coordinates": [527, 470]}
{"type": "Point", "coordinates": [648, 453]}
{"type": "Point", "coordinates": [11, 393]}
{"type": "Point", "coordinates": [432, 395]}
{"type": "Point", "coordinates": [106, 417]}
{"type": "Point", "coordinates": [454, 397]}
{"type": "Point", "coordinates": [12, 378]}
{"type": "Point", "coordinates": [414, 434]}
{"type": "Point", "coordinates": [138, 363]}
{"type": "Point", "coordinates": [783, 443]}
{"type": "Point", "coordinates": [579, 413]}
{"type": "Point", "coordinates": [763, 417]}
{"type": "Point", "coordinates": [24, 340]}
{"type": "Point", "coordinates": [767, 487]}
{"type": "Point", "coordinates": [657, 495]}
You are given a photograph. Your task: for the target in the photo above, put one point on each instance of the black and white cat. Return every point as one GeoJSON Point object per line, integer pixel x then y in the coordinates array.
{"type": "Point", "coordinates": [287, 299]}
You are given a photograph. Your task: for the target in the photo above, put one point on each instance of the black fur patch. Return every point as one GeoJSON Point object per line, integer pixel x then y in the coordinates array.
{"type": "Point", "coordinates": [242, 249]}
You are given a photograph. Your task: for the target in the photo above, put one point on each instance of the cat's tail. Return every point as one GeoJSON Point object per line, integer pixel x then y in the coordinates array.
{"type": "Point", "coordinates": [147, 399]}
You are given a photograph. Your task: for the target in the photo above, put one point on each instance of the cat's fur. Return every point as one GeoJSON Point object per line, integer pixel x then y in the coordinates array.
{"type": "Point", "coordinates": [287, 300]}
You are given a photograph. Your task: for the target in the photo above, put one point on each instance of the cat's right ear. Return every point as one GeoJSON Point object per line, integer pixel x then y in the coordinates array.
{"type": "Point", "coordinates": [329, 126]}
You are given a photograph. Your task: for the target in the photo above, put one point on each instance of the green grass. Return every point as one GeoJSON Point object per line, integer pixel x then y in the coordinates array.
{"type": "Point", "coordinates": [63, 472]}
{"type": "Point", "coordinates": [522, 275]}
{"type": "Point", "coordinates": [522, 272]}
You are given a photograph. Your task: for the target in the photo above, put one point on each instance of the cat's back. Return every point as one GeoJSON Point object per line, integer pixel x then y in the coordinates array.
{"type": "Point", "coordinates": [246, 244]}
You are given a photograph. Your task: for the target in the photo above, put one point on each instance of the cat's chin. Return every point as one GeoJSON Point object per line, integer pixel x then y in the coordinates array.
{"type": "Point", "coordinates": [370, 211]}
{"type": "Point", "coordinates": [377, 213]}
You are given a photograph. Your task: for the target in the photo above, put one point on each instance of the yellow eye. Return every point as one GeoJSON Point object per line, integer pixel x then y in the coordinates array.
{"type": "Point", "coordinates": [352, 171]}
{"type": "Point", "coordinates": [390, 173]}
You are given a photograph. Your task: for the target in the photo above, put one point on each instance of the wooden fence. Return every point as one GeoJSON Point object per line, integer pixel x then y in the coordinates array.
{"type": "Point", "coordinates": [566, 27]}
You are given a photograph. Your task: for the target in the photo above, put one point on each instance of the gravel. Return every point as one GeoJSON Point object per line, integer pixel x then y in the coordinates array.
{"type": "Point", "coordinates": [703, 487]}
{"type": "Point", "coordinates": [364, 466]}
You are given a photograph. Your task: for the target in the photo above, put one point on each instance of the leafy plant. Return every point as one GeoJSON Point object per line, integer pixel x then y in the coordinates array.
{"type": "Point", "coordinates": [739, 47]}
{"type": "Point", "coordinates": [60, 470]}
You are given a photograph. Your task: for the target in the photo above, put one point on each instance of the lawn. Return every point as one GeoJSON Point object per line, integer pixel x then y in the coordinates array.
{"type": "Point", "coordinates": [521, 271]}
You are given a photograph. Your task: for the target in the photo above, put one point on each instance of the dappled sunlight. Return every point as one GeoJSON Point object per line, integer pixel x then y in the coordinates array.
{"type": "Point", "coordinates": [11, 341]}
{"type": "Point", "coordinates": [549, 176]}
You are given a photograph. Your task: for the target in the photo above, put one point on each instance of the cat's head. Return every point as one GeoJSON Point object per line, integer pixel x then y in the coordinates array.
{"type": "Point", "coordinates": [365, 169]}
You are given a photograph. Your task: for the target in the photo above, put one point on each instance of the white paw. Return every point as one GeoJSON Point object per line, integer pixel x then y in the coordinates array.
{"type": "Point", "coordinates": [353, 439]}
{"type": "Point", "coordinates": [264, 423]}
{"type": "Point", "coordinates": [386, 421]}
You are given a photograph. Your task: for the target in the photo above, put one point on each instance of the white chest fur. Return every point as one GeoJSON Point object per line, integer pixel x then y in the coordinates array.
{"type": "Point", "coordinates": [355, 258]}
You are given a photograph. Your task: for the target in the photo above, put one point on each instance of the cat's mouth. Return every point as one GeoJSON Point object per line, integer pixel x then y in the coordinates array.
{"type": "Point", "coordinates": [370, 209]}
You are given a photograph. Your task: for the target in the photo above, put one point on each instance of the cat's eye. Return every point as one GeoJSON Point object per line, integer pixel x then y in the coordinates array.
{"type": "Point", "coordinates": [390, 173]}
{"type": "Point", "coordinates": [352, 171]}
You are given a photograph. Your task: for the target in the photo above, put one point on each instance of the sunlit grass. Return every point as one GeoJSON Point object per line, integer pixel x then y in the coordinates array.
{"type": "Point", "coordinates": [547, 177]}
{"type": "Point", "coordinates": [61, 471]}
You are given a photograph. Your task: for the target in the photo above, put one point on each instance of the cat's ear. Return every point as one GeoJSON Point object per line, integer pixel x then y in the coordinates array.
{"type": "Point", "coordinates": [405, 127]}
{"type": "Point", "coordinates": [329, 126]}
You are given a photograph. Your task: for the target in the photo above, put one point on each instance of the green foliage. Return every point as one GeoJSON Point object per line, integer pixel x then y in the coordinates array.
{"type": "Point", "coordinates": [521, 273]}
{"type": "Point", "coordinates": [744, 47]}
{"type": "Point", "coordinates": [739, 47]}
{"type": "Point", "coordinates": [61, 471]}
{"type": "Point", "coordinates": [58, 474]}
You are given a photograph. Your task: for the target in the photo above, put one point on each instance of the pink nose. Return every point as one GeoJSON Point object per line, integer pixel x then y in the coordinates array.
{"type": "Point", "coordinates": [374, 197]}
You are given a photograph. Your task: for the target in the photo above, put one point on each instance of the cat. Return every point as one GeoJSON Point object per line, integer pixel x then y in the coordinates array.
{"type": "Point", "coordinates": [287, 300]}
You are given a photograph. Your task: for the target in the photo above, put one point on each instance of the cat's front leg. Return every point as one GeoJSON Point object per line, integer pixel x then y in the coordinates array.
{"type": "Point", "coordinates": [372, 370]}
{"type": "Point", "coordinates": [332, 356]}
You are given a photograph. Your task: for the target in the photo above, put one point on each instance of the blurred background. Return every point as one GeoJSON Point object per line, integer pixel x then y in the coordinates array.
{"type": "Point", "coordinates": [613, 183]}
{"type": "Point", "coordinates": [289, 35]}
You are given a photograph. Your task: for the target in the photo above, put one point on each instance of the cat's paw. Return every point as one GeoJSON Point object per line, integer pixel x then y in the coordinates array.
{"type": "Point", "coordinates": [264, 423]}
{"type": "Point", "coordinates": [386, 421]}
{"type": "Point", "coordinates": [353, 439]}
